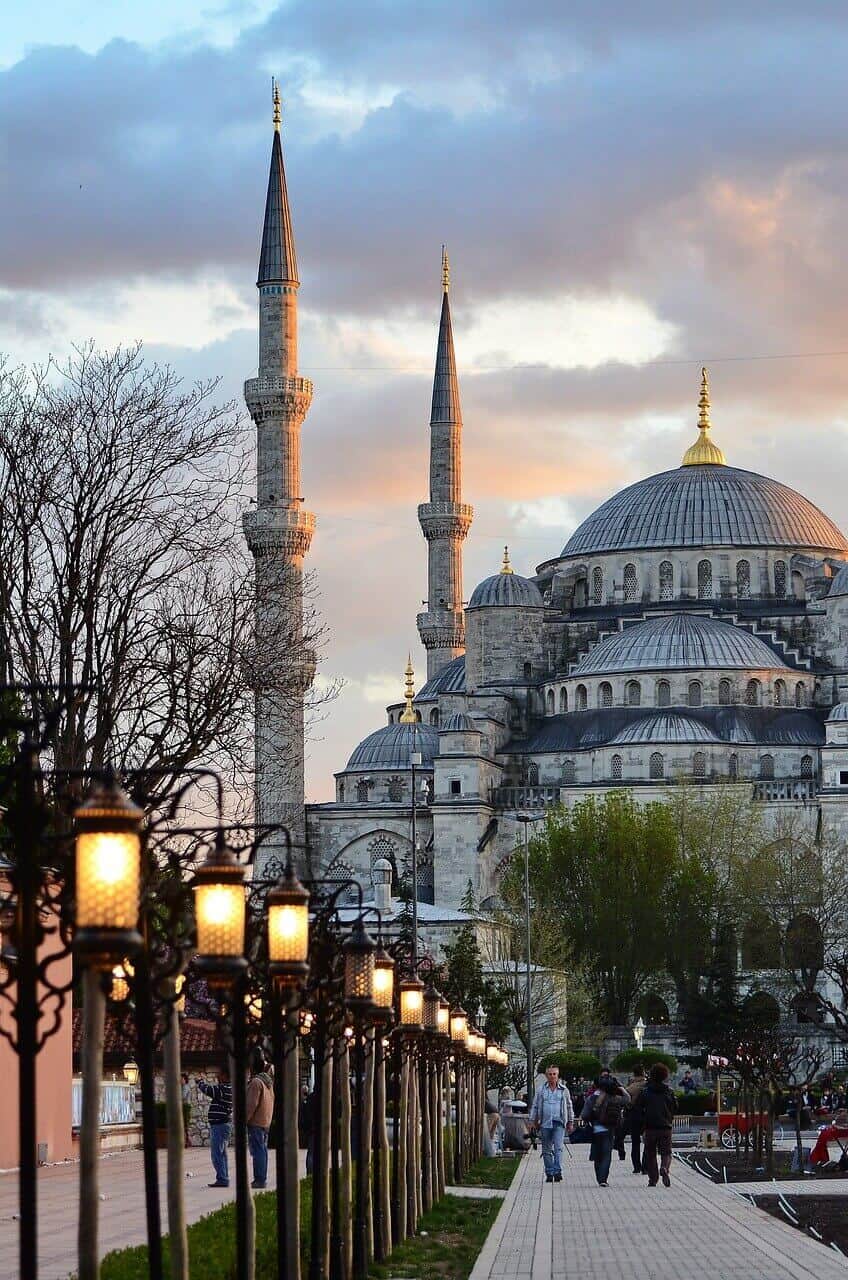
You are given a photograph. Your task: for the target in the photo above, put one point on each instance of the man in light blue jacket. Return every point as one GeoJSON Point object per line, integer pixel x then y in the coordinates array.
{"type": "Point", "coordinates": [552, 1113]}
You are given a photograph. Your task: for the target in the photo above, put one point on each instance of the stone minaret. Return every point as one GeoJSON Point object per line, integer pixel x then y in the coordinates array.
{"type": "Point", "coordinates": [445, 519]}
{"type": "Point", "coordinates": [278, 530]}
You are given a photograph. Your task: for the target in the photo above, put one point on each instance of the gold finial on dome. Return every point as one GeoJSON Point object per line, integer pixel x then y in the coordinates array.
{"type": "Point", "coordinates": [506, 567]}
{"type": "Point", "coordinates": [445, 269]}
{"type": "Point", "coordinates": [278, 115]}
{"type": "Point", "coordinates": [704, 452]}
{"type": "Point", "coordinates": [408, 713]}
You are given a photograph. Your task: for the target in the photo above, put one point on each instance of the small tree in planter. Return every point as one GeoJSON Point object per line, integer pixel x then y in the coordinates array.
{"type": "Point", "coordinates": [162, 1123]}
{"type": "Point", "coordinates": [628, 1059]}
{"type": "Point", "coordinates": [573, 1064]}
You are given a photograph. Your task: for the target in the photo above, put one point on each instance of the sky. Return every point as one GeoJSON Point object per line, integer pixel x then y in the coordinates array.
{"type": "Point", "coordinates": [626, 192]}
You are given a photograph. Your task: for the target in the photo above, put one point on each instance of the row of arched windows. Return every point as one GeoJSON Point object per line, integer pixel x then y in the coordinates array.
{"type": "Point", "coordinates": [656, 766]}
{"type": "Point", "coordinates": [753, 697]}
{"type": "Point", "coordinates": [706, 586]}
{"type": "Point", "coordinates": [801, 947]}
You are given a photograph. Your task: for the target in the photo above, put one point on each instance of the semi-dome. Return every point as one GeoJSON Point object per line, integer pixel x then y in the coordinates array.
{"type": "Point", "coordinates": [705, 506]}
{"type": "Point", "coordinates": [451, 679]}
{"type": "Point", "coordinates": [839, 712]}
{"type": "Point", "coordinates": [506, 588]}
{"type": "Point", "coordinates": [675, 641]}
{"type": "Point", "coordinates": [839, 586]}
{"type": "Point", "coordinates": [391, 746]}
{"type": "Point", "coordinates": [664, 726]}
{"type": "Point", "coordinates": [457, 723]}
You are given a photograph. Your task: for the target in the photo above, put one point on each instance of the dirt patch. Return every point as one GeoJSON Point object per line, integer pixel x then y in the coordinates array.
{"type": "Point", "coordinates": [824, 1218]}
{"type": "Point", "coordinates": [723, 1166]}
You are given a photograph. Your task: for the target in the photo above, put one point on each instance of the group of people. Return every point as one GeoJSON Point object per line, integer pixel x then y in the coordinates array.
{"type": "Point", "coordinates": [644, 1109]}
{"type": "Point", "coordinates": [260, 1110]}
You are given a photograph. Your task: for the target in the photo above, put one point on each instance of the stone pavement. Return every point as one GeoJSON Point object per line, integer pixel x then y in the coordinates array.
{"type": "Point", "coordinates": [121, 1208]}
{"type": "Point", "coordinates": [575, 1230]}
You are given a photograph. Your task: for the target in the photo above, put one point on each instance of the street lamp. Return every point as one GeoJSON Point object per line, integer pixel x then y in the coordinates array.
{"type": "Point", "coordinates": [459, 1028]}
{"type": "Point", "coordinates": [359, 952]}
{"type": "Point", "coordinates": [288, 930]}
{"type": "Point", "coordinates": [411, 1004]}
{"type": "Point", "coordinates": [415, 760]}
{"type": "Point", "coordinates": [108, 858]}
{"type": "Point", "coordinates": [432, 1006]}
{"type": "Point", "coordinates": [384, 982]}
{"type": "Point", "coordinates": [131, 1073]}
{"type": "Point", "coordinates": [525, 819]}
{"type": "Point", "coordinates": [443, 1019]}
{"type": "Point", "coordinates": [639, 1034]}
{"type": "Point", "coordinates": [219, 908]}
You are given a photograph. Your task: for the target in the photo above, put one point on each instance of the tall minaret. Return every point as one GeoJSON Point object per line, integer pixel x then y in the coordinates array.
{"type": "Point", "coordinates": [278, 530]}
{"type": "Point", "coordinates": [445, 519]}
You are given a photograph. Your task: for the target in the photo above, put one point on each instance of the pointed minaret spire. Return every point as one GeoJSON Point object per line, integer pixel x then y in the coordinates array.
{"type": "Point", "coordinates": [277, 109]}
{"type": "Point", "coordinates": [445, 519]}
{"type": "Point", "coordinates": [506, 567]}
{"type": "Point", "coordinates": [704, 452]}
{"type": "Point", "coordinates": [408, 713]}
{"type": "Point", "coordinates": [277, 258]}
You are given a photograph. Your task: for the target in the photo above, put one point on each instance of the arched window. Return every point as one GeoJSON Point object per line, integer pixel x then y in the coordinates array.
{"type": "Point", "coordinates": [598, 585]}
{"type": "Point", "coordinates": [666, 580]}
{"type": "Point", "coordinates": [341, 792]}
{"type": "Point", "coordinates": [631, 584]}
{"type": "Point", "coordinates": [800, 694]}
{"type": "Point", "coordinates": [705, 580]}
{"type": "Point", "coordinates": [799, 589]}
{"type": "Point", "coordinates": [806, 766]}
{"type": "Point", "coordinates": [699, 765]}
{"type": "Point", "coordinates": [633, 693]}
{"type": "Point", "coordinates": [563, 700]}
{"type": "Point", "coordinates": [581, 697]}
{"type": "Point", "coordinates": [361, 792]}
{"type": "Point", "coordinates": [533, 775]}
{"type": "Point", "coordinates": [653, 1010]}
{"type": "Point", "coordinates": [807, 1008]}
{"type": "Point", "coordinates": [528, 671]}
{"type": "Point", "coordinates": [569, 771]}
{"type": "Point", "coordinates": [760, 943]}
{"type": "Point", "coordinates": [733, 766]}
{"type": "Point", "coordinates": [605, 694]}
{"type": "Point", "coordinates": [780, 577]}
{"type": "Point", "coordinates": [752, 693]}
{"type": "Point", "coordinates": [580, 593]}
{"type": "Point", "coordinates": [395, 789]}
{"type": "Point", "coordinates": [743, 579]}
{"type": "Point", "coordinates": [616, 768]}
{"type": "Point", "coordinates": [696, 693]}
{"type": "Point", "coordinates": [780, 693]}
{"type": "Point", "coordinates": [550, 702]}
{"type": "Point", "coordinates": [656, 765]}
{"type": "Point", "coordinates": [761, 1009]}
{"type": "Point", "coordinates": [434, 716]}
{"type": "Point", "coordinates": [766, 768]}
{"type": "Point", "coordinates": [725, 692]}
{"type": "Point", "coordinates": [804, 943]}
{"type": "Point", "coordinates": [663, 693]}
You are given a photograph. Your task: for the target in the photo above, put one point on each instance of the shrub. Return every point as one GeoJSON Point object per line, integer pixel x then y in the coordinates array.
{"type": "Point", "coordinates": [629, 1058]}
{"type": "Point", "coordinates": [693, 1104]}
{"type": "Point", "coordinates": [162, 1115]}
{"type": "Point", "coordinates": [573, 1065]}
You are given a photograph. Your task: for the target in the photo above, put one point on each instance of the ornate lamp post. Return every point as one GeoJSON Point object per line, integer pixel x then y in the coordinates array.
{"type": "Point", "coordinates": [639, 1034]}
{"type": "Point", "coordinates": [359, 953]}
{"type": "Point", "coordinates": [384, 985]}
{"type": "Point", "coordinates": [287, 907]}
{"type": "Point", "coordinates": [459, 1043]}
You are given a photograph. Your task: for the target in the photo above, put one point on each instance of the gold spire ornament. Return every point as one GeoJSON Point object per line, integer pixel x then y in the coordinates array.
{"type": "Point", "coordinates": [506, 567]}
{"type": "Point", "coordinates": [704, 452]}
{"type": "Point", "coordinates": [278, 115]}
{"type": "Point", "coordinates": [445, 269]}
{"type": "Point", "coordinates": [408, 713]}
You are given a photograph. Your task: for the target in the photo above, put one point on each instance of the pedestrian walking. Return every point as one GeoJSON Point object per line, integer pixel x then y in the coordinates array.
{"type": "Point", "coordinates": [220, 1097]}
{"type": "Point", "coordinates": [260, 1110]}
{"type": "Point", "coordinates": [604, 1111]}
{"type": "Point", "coordinates": [656, 1106]}
{"type": "Point", "coordinates": [552, 1113]}
{"type": "Point", "coordinates": [633, 1119]}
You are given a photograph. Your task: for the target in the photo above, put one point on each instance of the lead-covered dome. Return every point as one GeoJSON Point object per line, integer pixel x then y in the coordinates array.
{"type": "Point", "coordinates": [839, 585]}
{"type": "Point", "coordinates": [391, 747]}
{"type": "Point", "coordinates": [664, 726]}
{"type": "Point", "coordinates": [705, 506]}
{"type": "Point", "coordinates": [675, 641]}
{"type": "Point", "coordinates": [506, 588]}
{"type": "Point", "coordinates": [839, 712]}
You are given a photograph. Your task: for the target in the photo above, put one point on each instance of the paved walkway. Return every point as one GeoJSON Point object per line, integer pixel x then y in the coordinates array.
{"type": "Point", "coordinates": [121, 1207]}
{"type": "Point", "coordinates": [694, 1229]}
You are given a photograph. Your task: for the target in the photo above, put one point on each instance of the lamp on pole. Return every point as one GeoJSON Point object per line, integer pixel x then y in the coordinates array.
{"type": "Point", "coordinates": [415, 763]}
{"type": "Point", "coordinates": [639, 1034]}
{"type": "Point", "coordinates": [525, 819]}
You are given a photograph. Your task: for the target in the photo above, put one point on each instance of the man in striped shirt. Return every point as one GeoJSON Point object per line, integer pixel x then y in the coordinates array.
{"type": "Point", "coordinates": [220, 1097]}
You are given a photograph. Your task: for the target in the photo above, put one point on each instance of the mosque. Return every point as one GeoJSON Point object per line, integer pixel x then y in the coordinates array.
{"type": "Point", "coordinates": [693, 628]}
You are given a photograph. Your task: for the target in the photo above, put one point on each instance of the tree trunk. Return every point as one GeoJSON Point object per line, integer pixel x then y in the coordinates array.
{"type": "Point", "coordinates": [448, 1136]}
{"type": "Point", "coordinates": [424, 1142]}
{"type": "Point", "coordinates": [177, 1235]}
{"type": "Point", "coordinates": [411, 1147]}
{"type": "Point", "coordinates": [435, 1130]}
{"type": "Point", "coordinates": [402, 1127]}
{"type": "Point", "coordinates": [290, 1085]}
{"type": "Point", "coordinates": [346, 1197]}
{"type": "Point", "coordinates": [382, 1163]}
{"type": "Point", "coordinates": [323, 1151]}
{"type": "Point", "coordinates": [366, 1126]}
{"type": "Point", "coordinates": [94, 1006]}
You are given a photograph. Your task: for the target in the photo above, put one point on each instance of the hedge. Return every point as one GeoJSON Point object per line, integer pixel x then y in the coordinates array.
{"type": "Point", "coordinates": [694, 1104]}
{"type": "Point", "coordinates": [573, 1065]}
{"type": "Point", "coordinates": [630, 1058]}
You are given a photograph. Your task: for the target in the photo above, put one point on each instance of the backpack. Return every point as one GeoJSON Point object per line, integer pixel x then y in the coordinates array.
{"type": "Point", "coordinates": [610, 1110]}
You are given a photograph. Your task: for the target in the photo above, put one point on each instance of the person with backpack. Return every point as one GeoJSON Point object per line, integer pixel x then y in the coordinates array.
{"type": "Point", "coordinates": [604, 1110]}
{"type": "Point", "coordinates": [260, 1110]}
{"type": "Point", "coordinates": [552, 1112]}
{"type": "Point", "coordinates": [655, 1107]}
{"type": "Point", "coordinates": [632, 1119]}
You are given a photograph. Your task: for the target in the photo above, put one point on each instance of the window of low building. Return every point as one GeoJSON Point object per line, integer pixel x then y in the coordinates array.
{"type": "Point", "coordinates": [656, 765]}
{"type": "Point", "coordinates": [633, 693]}
{"type": "Point", "coordinates": [666, 580]}
{"type": "Point", "coordinates": [395, 789]}
{"type": "Point", "coordinates": [616, 768]}
{"type": "Point", "coordinates": [631, 584]}
{"type": "Point", "coordinates": [766, 767]}
{"type": "Point", "coordinates": [725, 692]}
{"type": "Point", "coordinates": [605, 694]}
{"type": "Point", "coordinates": [663, 693]}
{"type": "Point", "coordinates": [696, 693]}
{"type": "Point", "coordinates": [699, 765]}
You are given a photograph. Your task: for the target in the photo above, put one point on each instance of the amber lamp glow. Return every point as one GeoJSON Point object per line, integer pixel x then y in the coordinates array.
{"type": "Point", "coordinates": [108, 856]}
{"type": "Point", "coordinates": [432, 1004]}
{"type": "Point", "coordinates": [459, 1028]}
{"type": "Point", "coordinates": [359, 969]}
{"type": "Point", "coordinates": [219, 910]}
{"type": "Point", "coordinates": [131, 1072]}
{"type": "Point", "coordinates": [120, 985]}
{"type": "Point", "coordinates": [443, 1019]}
{"type": "Point", "coordinates": [411, 1004]}
{"type": "Point", "coordinates": [384, 982]}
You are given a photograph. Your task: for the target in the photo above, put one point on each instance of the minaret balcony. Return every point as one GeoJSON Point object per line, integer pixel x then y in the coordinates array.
{"type": "Point", "coordinates": [445, 519]}
{"type": "Point", "coordinates": [277, 528]}
{"type": "Point", "coordinates": [270, 393]}
{"type": "Point", "coordinates": [442, 628]}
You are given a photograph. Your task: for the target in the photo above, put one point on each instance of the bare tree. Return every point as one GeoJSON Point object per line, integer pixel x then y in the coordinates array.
{"type": "Point", "coordinates": [124, 567]}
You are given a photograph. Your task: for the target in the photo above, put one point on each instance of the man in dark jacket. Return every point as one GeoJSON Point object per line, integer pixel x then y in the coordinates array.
{"type": "Point", "coordinates": [655, 1108]}
{"type": "Point", "coordinates": [220, 1097]}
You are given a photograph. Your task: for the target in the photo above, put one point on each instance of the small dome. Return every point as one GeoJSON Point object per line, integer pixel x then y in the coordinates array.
{"type": "Point", "coordinates": [458, 723]}
{"type": "Point", "coordinates": [665, 727]}
{"type": "Point", "coordinates": [839, 712]}
{"type": "Point", "coordinates": [451, 679]}
{"type": "Point", "coordinates": [506, 589]}
{"type": "Point", "coordinates": [839, 586]}
{"type": "Point", "coordinates": [391, 747]}
{"type": "Point", "coordinates": [679, 641]}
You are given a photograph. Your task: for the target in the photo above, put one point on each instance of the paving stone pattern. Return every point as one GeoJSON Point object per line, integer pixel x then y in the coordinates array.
{"type": "Point", "coordinates": [574, 1229]}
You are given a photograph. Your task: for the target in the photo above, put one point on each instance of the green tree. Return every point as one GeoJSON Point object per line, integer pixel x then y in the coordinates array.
{"type": "Point", "coordinates": [463, 979]}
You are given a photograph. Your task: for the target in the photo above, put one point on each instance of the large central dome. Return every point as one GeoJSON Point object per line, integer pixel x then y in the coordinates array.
{"type": "Point", "coordinates": [706, 506]}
